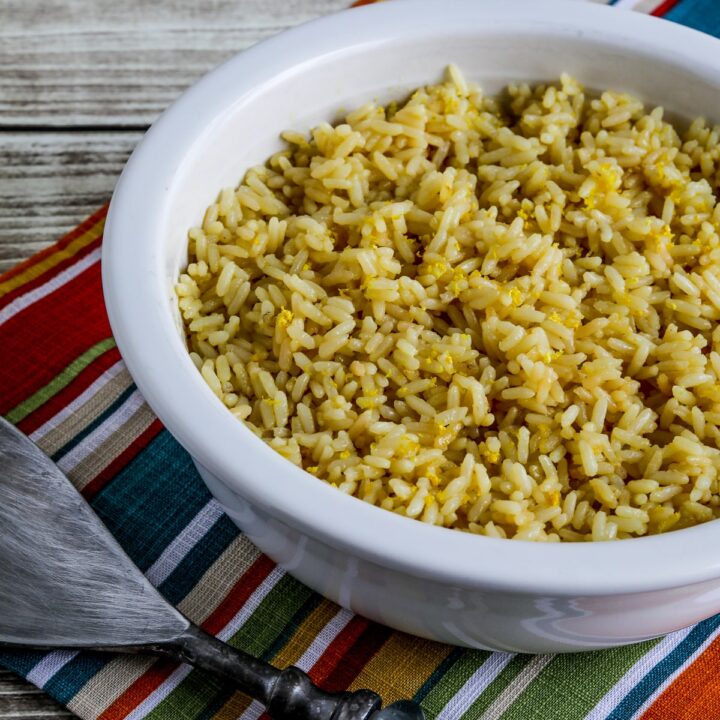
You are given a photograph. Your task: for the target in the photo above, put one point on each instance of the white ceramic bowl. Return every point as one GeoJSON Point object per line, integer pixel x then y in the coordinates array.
{"type": "Point", "coordinates": [433, 582]}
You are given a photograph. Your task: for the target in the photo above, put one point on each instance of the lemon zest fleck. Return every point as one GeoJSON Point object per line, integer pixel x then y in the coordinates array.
{"type": "Point", "coordinates": [573, 322]}
{"type": "Point", "coordinates": [433, 478]}
{"type": "Point", "coordinates": [284, 318]}
{"type": "Point", "coordinates": [438, 268]}
{"type": "Point", "coordinates": [606, 177]}
{"type": "Point", "coordinates": [407, 446]}
{"type": "Point", "coordinates": [516, 296]}
{"type": "Point", "coordinates": [548, 357]}
{"type": "Point", "coordinates": [454, 287]}
{"type": "Point", "coordinates": [668, 522]}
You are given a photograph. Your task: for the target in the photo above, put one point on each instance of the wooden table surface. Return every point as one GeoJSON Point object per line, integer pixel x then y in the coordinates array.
{"type": "Point", "coordinates": [80, 82]}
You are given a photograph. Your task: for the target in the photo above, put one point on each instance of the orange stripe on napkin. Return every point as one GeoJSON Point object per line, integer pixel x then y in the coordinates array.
{"type": "Point", "coordinates": [694, 694]}
{"type": "Point", "coordinates": [144, 686]}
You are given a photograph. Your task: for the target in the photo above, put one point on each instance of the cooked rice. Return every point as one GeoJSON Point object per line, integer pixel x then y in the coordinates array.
{"type": "Point", "coordinates": [492, 314]}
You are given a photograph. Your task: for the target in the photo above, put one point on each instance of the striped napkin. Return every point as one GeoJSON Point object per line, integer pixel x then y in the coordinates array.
{"type": "Point", "coordinates": [63, 383]}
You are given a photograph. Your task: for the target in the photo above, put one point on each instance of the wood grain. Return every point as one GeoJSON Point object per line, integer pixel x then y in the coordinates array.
{"type": "Point", "coordinates": [119, 64]}
{"type": "Point", "coordinates": [49, 182]}
{"type": "Point", "coordinates": [20, 700]}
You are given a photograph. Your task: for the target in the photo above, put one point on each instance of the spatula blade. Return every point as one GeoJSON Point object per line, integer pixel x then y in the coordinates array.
{"type": "Point", "coordinates": [64, 580]}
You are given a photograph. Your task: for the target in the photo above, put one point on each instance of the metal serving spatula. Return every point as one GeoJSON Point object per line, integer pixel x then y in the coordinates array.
{"type": "Point", "coordinates": [66, 583]}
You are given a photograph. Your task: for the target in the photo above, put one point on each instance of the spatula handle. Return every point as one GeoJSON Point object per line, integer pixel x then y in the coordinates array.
{"type": "Point", "coordinates": [288, 694]}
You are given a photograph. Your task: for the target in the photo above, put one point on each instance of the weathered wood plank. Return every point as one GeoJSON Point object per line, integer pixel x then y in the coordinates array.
{"type": "Point", "coordinates": [10, 684]}
{"type": "Point", "coordinates": [21, 700]}
{"type": "Point", "coordinates": [120, 64]}
{"type": "Point", "coordinates": [49, 182]}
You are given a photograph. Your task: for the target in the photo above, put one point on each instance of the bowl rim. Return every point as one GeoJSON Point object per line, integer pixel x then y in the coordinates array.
{"type": "Point", "coordinates": [136, 301]}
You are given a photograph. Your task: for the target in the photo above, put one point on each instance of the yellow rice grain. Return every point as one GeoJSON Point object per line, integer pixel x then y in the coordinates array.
{"type": "Point", "coordinates": [497, 315]}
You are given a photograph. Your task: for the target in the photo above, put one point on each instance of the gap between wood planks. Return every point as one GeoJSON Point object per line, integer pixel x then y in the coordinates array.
{"type": "Point", "coordinates": [140, 127]}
